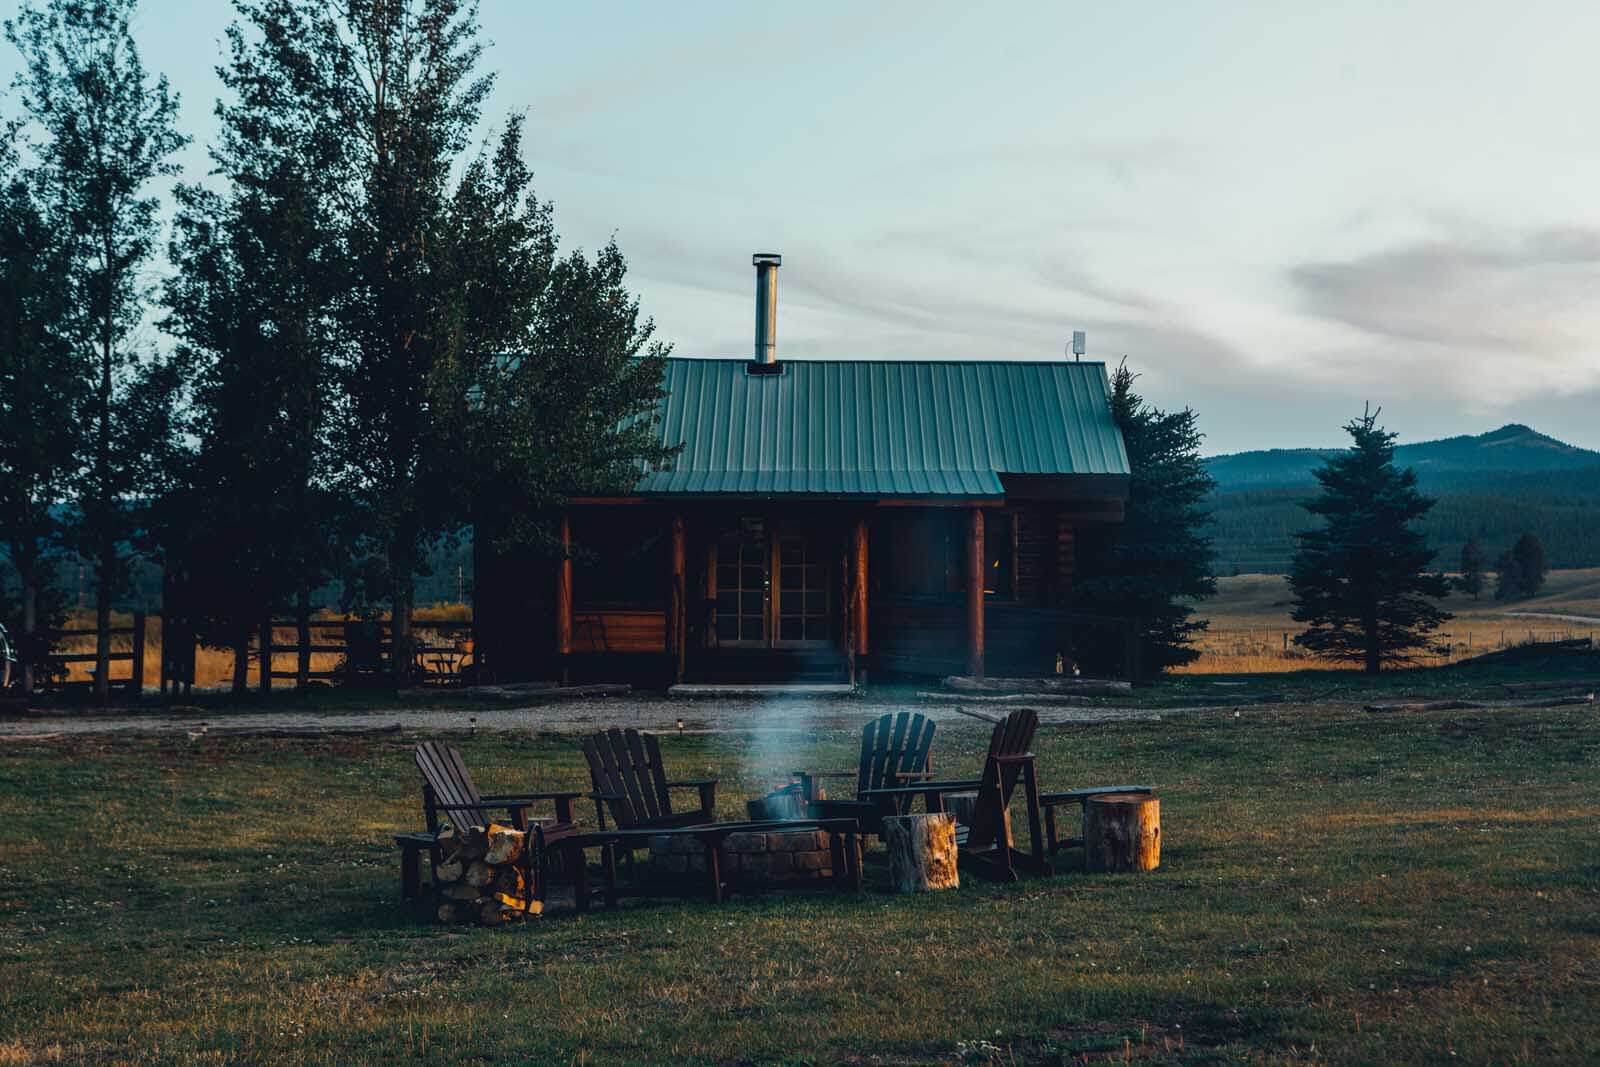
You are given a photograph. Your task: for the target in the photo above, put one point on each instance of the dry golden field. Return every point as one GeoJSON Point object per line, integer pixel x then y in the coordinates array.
{"type": "Point", "coordinates": [1251, 631]}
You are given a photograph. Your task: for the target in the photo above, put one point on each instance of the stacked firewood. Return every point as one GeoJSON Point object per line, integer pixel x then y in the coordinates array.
{"type": "Point", "coordinates": [483, 876]}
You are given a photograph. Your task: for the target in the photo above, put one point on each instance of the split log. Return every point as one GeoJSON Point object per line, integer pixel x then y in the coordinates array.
{"type": "Point", "coordinates": [452, 912]}
{"type": "Point", "coordinates": [1122, 832]}
{"type": "Point", "coordinates": [922, 851]}
{"type": "Point", "coordinates": [509, 880]}
{"type": "Point", "coordinates": [471, 844]}
{"type": "Point", "coordinates": [461, 891]}
{"type": "Point", "coordinates": [479, 874]}
{"type": "Point", "coordinates": [963, 805]}
{"type": "Point", "coordinates": [503, 845]}
{"type": "Point", "coordinates": [450, 871]}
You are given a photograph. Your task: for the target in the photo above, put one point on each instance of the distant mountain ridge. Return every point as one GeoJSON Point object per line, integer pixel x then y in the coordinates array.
{"type": "Point", "coordinates": [1492, 486]}
{"type": "Point", "coordinates": [1511, 448]}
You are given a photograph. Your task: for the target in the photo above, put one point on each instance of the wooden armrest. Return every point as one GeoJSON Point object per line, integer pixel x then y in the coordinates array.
{"type": "Point", "coordinates": [475, 807]}
{"type": "Point", "coordinates": [925, 788]}
{"type": "Point", "coordinates": [909, 774]}
{"type": "Point", "coordinates": [1021, 757]}
{"type": "Point", "coordinates": [1078, 796]}
{"type": "Point", "coordinates": [524, 798]}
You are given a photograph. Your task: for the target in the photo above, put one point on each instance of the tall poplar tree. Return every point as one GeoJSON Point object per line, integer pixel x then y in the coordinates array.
{"type": "Point", "coordinates": [259, 266]}
{"type": "Point", "coordinates": [40, 400]}
{"type": "Point", "coordinates": [468, 355]}
{"type": "Point", "coordinates": [103, 133]}
{"type": "Point", "coordinates": [1359, 578]}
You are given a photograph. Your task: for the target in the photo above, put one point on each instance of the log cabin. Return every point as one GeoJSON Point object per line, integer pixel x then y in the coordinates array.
{"type": "Point", "coordinates": [823, 519]}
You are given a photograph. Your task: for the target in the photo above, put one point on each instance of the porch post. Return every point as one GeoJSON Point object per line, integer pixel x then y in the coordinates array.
{"type": "Point", "coordinates": [675, 600]}
{"type": "Point", "coordinates": [975, 576]}
{"type": "Point", "coordinates": [564, 593]}
{"type": "Point", "coordinates": [858, 586]}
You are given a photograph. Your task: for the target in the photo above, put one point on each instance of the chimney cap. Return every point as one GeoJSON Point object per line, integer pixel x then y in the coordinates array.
{"type": "Point", "coordinates": [766, 257]}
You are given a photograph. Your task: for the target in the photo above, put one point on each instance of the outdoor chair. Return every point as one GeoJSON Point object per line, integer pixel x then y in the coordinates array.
{"type": "Point", "coordinates": [895, 749]}
{"type": "Point", "coordinates": [630, 783]}
{"type": "Point", "coordinates": [449, 794]}
{"type": "Point", "coordinates": [985, 845]}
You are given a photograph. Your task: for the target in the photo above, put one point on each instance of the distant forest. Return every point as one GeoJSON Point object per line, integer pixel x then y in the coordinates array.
{"type": "Point", "coordinates": [1254, 528]}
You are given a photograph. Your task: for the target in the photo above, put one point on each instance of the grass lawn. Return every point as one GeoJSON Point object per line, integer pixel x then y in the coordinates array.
{"type": "Point", "coordinates": [1336, 887]}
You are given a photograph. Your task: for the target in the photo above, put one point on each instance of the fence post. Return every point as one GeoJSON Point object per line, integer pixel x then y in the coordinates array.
{"type": "Point", "coordinates": [137, 681]}
{"type": "Point", "coordinates": [266, 655]}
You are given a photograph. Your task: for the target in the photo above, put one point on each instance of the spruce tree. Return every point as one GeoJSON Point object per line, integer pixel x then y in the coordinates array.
{"type": "Point", "coordinates": [1473, 562]}
{"type": "Point", "coordinates": [1152, 566]}
{"type": "Point", "coordinates": [1522, 570]}
{"type": "Point", "coordinates": [102, 133]}
{"type": "Point", "coordinates": [1359, 578]}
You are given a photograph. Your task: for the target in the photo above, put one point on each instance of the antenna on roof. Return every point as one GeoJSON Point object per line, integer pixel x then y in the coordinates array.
{"type": "Point", "coordinates": [1077, 345]}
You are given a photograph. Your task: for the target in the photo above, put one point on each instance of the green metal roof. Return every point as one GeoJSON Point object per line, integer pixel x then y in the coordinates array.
{"type": "Point", "coordinates": [881, 428]}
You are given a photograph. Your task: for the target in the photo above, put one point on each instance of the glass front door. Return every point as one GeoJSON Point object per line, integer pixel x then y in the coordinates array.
{"type": "Point", "coordinates": [802, 598]}
{"type": "Point", "coordinates": [753, 610]}
{"type": "Point", "coordinates": [743, 569]}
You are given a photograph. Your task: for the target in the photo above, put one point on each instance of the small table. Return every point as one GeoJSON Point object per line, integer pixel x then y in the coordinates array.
{"type": "Point", "coordinates": [844, 843]}
{"type": "Point", "coordinates": [1050, 801]}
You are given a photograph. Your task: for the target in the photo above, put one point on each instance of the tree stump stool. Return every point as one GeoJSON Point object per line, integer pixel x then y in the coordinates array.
{"type": "Point", "coordinates": [962, 806]}
{"type": "Point", "coordinates": [922, 851]}
{"type": "Point", "coordinates": [1122, 832]}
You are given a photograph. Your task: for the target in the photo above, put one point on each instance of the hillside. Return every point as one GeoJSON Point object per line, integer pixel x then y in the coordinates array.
{"type": "Point", "coordinates": [1494, 485]}
{"type": "Point", "coordinates": [1510, 448]}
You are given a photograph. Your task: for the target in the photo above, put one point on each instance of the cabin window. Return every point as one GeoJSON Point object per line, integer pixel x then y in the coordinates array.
{"type": "Point", "coordinates": [618, 564]}
{"type": "Point", "coordinates": [924, 554]}
{"type": "Point", "coordinates": [1000, 555]}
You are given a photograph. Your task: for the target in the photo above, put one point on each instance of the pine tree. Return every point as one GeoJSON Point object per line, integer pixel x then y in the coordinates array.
{"type": "Point", "coordinates": [1522, 570]}
{"type": "Point", "coordinates": [1473, 562]}
{"type": "Point", "coordinates": [1158, 561]}
{"type": "Point", "coordinates": [1358, 578]}
{"type": "Point", "coordinates": [102, 133]}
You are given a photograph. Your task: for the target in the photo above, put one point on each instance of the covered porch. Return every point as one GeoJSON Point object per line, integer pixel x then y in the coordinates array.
{"type": "Point", "coordinates": [812, 592]}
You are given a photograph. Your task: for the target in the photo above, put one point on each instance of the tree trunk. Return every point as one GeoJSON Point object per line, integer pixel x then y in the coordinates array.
{"type": "Point", "coordinates": [30, 630]}
{"type": "Point", "coordinates": [1122, 832]}
{"type": "Point", "coordinates": [302, 635]}
{"type": "Point", "coordinates": [404, 592]}
{"type": "Point", "coordinates": [103, 503]}
{"type": "Point", "coordinates": [102, 628]}
{"type": "Point", "coordinates": [241, 659]}
{"type": "Point", "coordinates": [922, 851]}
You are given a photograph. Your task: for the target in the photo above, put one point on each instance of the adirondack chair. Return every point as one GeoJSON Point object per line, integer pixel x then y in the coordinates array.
{"type": "Point", "coordinates": [449, 792]}
{"type": "Point", "coordinates": [895, 749]}
{"type": "Point", "coordinates": [984, 845]}
{"type": "Point", "coordinates": [631, 783]}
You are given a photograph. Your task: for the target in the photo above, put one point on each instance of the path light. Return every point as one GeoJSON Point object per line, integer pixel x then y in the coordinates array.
{"type": "Point", "coordinates": [680, 724]}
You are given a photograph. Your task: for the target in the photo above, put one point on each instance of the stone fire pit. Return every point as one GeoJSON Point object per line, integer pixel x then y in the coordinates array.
{"type": "Point", "coordinates": [753, 858]}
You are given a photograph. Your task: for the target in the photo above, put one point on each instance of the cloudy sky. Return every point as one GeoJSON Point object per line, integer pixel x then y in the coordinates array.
{"type": "Point", "coordinates": [1276, 212]}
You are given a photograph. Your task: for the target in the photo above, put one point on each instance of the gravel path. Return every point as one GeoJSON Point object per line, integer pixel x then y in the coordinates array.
{"type": "Point", "coordinates": [647, 712]}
